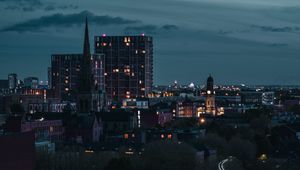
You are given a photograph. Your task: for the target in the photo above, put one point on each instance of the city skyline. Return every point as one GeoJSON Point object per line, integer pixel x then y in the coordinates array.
{"type": "Point", "coordinates": [251, 43]}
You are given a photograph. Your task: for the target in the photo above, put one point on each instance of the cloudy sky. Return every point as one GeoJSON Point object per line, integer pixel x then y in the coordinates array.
{"type": "Point", "coordinates": [237, 41]}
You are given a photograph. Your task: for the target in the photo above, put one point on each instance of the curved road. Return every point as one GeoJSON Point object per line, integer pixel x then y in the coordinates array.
{"type": "Point", "coordinates": [223, 162]}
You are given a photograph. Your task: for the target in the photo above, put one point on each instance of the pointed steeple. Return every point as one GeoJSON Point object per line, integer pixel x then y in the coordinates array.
{"type": "Point", "coordinates": [86, 45]}
{"type": "Point", "coordinates": [210, 83]}
{"type": "Point", "coordinates": [86, 76]}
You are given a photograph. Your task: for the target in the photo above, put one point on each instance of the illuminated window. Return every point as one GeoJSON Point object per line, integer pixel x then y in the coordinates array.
{"type": "Point", "coordinates": [162, 136]}
{"type": "Point", "coordinates": [142, 66]}
{"type": "Point", "coordinates": [126, 136]}
{"type": "Point", "coordinates": [126, 70]}
{"type": "Point", "coordinates": [144, 51]}
{"type": "Point", "coordinates": [169, 136]}
{"type": "Point", "coordinates": [51, 129]}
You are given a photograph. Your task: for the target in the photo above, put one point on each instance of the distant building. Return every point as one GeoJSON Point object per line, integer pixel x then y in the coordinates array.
{"type": "Point", "coordinates": [84, 128]}
{"type": "Point", "coordinates": [128, 65]}
{"type": "Point", "coordinates": [140, 103]}
{"type": "Point", "coordinates": [45, 127]}
{"type": "Point", "coordinates": [268, 98]}
{"type": "Point", "coordinates": [251, 97]}
{"type": "Point", "coordinates": [12, 81]}
{"type": "Point", "coordinates": [31, 82]}
{"type": "Point", "coordinates": [189, 108]}
{"type": "Point", "coordinates": [4, 87]}
{"type": "Point", "coordinates": [49, 71]}
{"type": "Point", "coordinates": [118, 121]}
{"type": "Point", "coordinates": [164, 117]}
{"type": "Point", "coordinates": [210, 96]}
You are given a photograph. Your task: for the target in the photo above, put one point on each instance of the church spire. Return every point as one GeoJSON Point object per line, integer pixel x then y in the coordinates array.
{"type": "Point", "coordinates": [86, 76]}
{"type": "Point", "coordinates": [86, 45]}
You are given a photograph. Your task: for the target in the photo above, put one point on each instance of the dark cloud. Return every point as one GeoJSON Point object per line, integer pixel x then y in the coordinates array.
{"type": "Point", "coordinates": [60, 7]}
{"type": "Point", "coordinates": [277, 29]}
{"type": "Point", "coordinates": [33, 5]}
{"type": "Point", "coordinates": [170, 27]}
{"type": "Point", "coordinates": [66, 20]}
{"type": "Point", "coordinates": [149, 29]}
{"type": "Point", "coordinates": [25, 5]}
{"type": "Point", "coordinates": [278, 44]}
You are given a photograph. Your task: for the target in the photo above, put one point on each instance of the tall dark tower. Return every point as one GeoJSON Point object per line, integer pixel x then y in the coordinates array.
{"type": "Point", "coordinates": [88, 96]}
{"type": "Point", "coordinates": [210, 96]}
{"type": "Point", "coordinates": [86, 76]}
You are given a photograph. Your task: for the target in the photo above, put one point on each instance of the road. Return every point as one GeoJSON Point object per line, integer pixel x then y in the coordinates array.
{"type": "Point", "coordinates": [222, 163]}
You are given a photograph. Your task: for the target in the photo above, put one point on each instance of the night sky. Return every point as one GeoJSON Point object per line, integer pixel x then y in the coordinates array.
{"type": "Point", "coordinates": [237, 41]}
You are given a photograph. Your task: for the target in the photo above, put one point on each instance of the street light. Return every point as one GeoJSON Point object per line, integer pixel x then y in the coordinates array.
{"type": "Point", "coordinates": [202, 120]}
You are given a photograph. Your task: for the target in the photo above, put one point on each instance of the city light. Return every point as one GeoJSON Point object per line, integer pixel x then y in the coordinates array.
{"type": "Point", "coordinates": [202, 120]}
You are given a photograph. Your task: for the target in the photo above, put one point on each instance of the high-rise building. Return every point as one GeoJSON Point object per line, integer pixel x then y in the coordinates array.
{"type": "Point", "coordinates": [49, 82]}
{"type": "Point", "coordinates": [65, 72]}
{"type": "Point", "coordinates": [12, 81]}
{"type": "Point", "coordinates": [65, 69]}
{"type": "Point", "coordinates": [128, 65]}
{"type": "Point", "coordinates": [210, 104]}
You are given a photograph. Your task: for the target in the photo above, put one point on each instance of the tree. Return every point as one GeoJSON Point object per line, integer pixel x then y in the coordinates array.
{"type": "Point", "coordinates": [123, 163]}
{"type": "Point", "coordinates": [242, 149]}
{"type": "Point", "coordinates": [168, 155]}
{"type": "Point", "coordinates": [217, 142]}
{"type": "Point", "coordinates": [295, 109]}
{"type": "Point", "coordinates": [17, 108]}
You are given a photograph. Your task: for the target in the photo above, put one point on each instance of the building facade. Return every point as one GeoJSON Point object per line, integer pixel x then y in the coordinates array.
{"type": "Point", "coordinates": [210, 104]}
{"type": "Point", "coordinates": [128, 65]}
{"type": "Point", "coordinates": [12, 81]}
{"type": "Point", "coordinates": [31, 82]}
{"type": "Point", "coordinates": [65, 69]}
